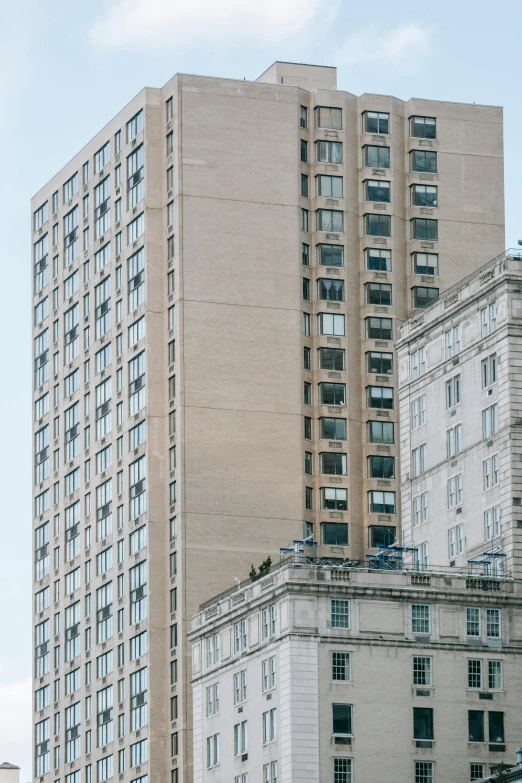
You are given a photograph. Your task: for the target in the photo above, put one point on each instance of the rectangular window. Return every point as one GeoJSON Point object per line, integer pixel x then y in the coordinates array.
{"type": "Point", "coordinates": [420, 619]}
{"type": "Point", "coordinates": [379, 328]}
{"type": "Point", "coordinates": [41, 216]}
{"type": "Point", "coordinates": [328, 152]}
{"type": "Point", "coordinates": [135, 229]}
{"type": "Point", "coordinates": [342, 719]}
{"type": "Point", "coordinates": [304, 185]}
{"type": "Point", "coordinates": [330, 255]}
{"type": "Point", "coordinates": [378, 294]}
{"type": "Point", "coordinates": [422, 296]}
{"type": "Point", "coordinates": [329, 220]}
{"type": "Point", "coordinates": [476, 725]}
{"type": "Point", "coordinates": [424, 161]}
{"type": "Point", "coordinates": [376, 122]}
{"type": "Point", "coordinates": [425, 263]}
{"type": "Point", "coordinates": [453, 392]}
{"type": "Point", "coordinates": [379, 362]}
{"type": "Point", "coordinates": [328, 186]}
{"type": "Point", "coordinates": [424, 772]}
{"type": "Point", "coordinates": [333, 464]}
{"type": "Point", "coordinates": [472, 621]}
{"type": "Point", "coordinates": [376, 157]}
{"type": "Point", "coordinates": [493, 625]}
{"type": "Point", "coordinates": [422, 670]}
{"type": "Point", "coordinates": [423, 127]}
{"type": "Point", "coordinates": [489, 371]}
{"type": "Point", "coordinates": [70, 188]}
{"type": "Point", "coordinates": [423, 196]}
{"type": "Point", "coordinates": [495, 675]}
{"type": "Point", "coordinates": [102, 157]}
{"type": "Point", "coordinates": [454, 441]}
{"type": "Point", "coordinates": [303, 117]}
{"type": "Point", "coordinates": [380, 432]}
{"type": "Point", "coordinates": [334, 498]}
{"type": "Point", "coordinates": [422, 723]}
{"type": "Point", "coordinates": [340, 613]}
{"type": "Point", "coordinates": [377, 260]}
{"type": "Point", "coordinates": [341, 670]}
{"type": "Point", "coordinates": [381, 502]}
{"type": "Point", "coordinates": [475, 673]}
{"type": "Point", "coordinates": [305, 254]}
{"type": "Point", "coordinates": [381, 467]}
{"type": "Point", "coordinates": [330, 324]}
{"type": "Point", "coordinates": [134, 126]}
{"type": "Point", "coordinates": [377, 225]}
{"type": "Point", "coordinates": [334, 533]}
{"type": "Point", "coordinates": [102, 207]}
{"type": "Point", "coordinates": [377, 190]}
{"type": "Point", "coordinates": [135, 177]}
{"type": "Point", "coordinates": [490, 421]}
{"type": "Point", "coordinates": [425, 229]}
{"type": "Point", "coordinates": [379, 397]}
{"type": "Point", "coordinates": [328, 117]}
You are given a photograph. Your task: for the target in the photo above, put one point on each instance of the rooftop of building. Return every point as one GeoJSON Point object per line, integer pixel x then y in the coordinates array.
{"type": "Point", "coordinates": [507, 264]}
{"type": "Point", "coordinates": [390, 568]}
{"type": "Point", "coordinates": [7, 765]}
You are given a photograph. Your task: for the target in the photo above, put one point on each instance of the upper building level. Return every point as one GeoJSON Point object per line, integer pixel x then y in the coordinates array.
{"type": "Point", "coordinates": [460, 415]}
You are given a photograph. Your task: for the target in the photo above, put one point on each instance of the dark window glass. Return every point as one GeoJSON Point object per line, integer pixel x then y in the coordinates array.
{"type": "Point", "coordinates": [328, 152]}
{"type": "Point", "coordinates": [303, 117]}
{"type": "Point", "coordinates": [308, 498]}
{"type": "Point", "coordinates": [425, 263]}
{"type": "Point", "coordinates": [335, 498]}
{"type": "Point", "coordinates": [308, 463]}
{"type": "Point", "coordinates": [423, 195]}
{"type": "Point", "coordinates": [331, 358]}
{"type": "Point", "coordinates": [381, 467]}
{"type": "Point", "coordinates": [333, 464]}
{"type": "Point", "coordinates": [381, 502]}
{"type": "Point", "coordinates": [376, 122]}
{"type": "Point", "coordinates": [424, 297]}
{"type": "Point", "coordinates": [306, 358]}
{"type": "Point", "coordinates": [377, 157]}
{"type": "Point", "coordinates": [331, 290]}
{"type": "Point", "coordinates": [423, 127]}
{"type": "Point", "coordinates": [308, 427]}
{"type": "Point", "coordinates": [335, 533]}
{"type": "Point", "coordinates": [424, 228]}
{"type": "Point", "coordinates": [306, 289]}
{"type": "Point", "coordinates": [381, 535]}
{"type": "Point", "coordinates": [423, 160]}
{"type": "Point", "coordinates": [378, 293]}
{"type": "Point", "coordinates": [476, 725]}
{"type": "Point", "coordinates": [377, 190]}
{"type": "Point", "coordinates": [333, 393]}
{"type": "Point", "coordinates": [377, 225]}
{"type": "Point", "coordinates": [329, 187]}
{"type": "Point", "coordinates": [422, 723]}
{"type": "Point", "coordinates": [330, 255]}
{"type": "Point", "coordinates": [496, 726]}
{"type": "Point", "coordinates": [304, 151]}
{"type": "Point", "coordinates": [378, 260]}
{"type": "Point", "coordinates": [379, 328]}
{"type": "Point", "coordinates": [342, 718]}
{"type": "Point", "coordinates": [307, 393]}
{"type": "Point", "coordinates": [305, 254]}
{"type": "Point", "coordinates": [304, 185]}
{"type": "Point", "coordinates": [333, 429]}
{"type": "Point", "coordinates": [379, 362]}
{"type": "Point", "coordinates": [379, 397]}
{"type": "Point", "coordinates": [380, 432]}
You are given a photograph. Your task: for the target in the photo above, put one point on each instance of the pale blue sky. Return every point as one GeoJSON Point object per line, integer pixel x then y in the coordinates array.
{"type": "Point", "coordinates": [68, 67]}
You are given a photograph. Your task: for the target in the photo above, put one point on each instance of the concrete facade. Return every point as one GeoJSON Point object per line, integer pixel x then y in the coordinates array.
{"type": "Point", "coordinates": [9, 773]}
{"type": "Point", "coordinates": [216, 188]}
{"type": "Point", "coordinates": [312, 619]}
{"type": "Point", "coordinates": [472, 383]}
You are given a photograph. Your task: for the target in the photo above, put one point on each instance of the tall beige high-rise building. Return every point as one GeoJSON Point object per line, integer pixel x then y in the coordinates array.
{"type": "Point", "coordinates": [207, 270]}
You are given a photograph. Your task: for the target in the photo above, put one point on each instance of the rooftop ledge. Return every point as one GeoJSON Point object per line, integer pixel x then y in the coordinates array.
{"type": "Point", "coordinates": [472, 285]}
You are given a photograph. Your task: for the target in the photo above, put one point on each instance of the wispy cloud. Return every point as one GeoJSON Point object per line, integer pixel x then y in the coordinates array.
{"type": "Point", "coordinates": [390, 48]}
{"type": "Point", "coordinates": [179, 24]}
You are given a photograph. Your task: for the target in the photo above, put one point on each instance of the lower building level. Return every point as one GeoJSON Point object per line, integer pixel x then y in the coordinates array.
{"type": "Point", "coordinates": [322, 671]}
